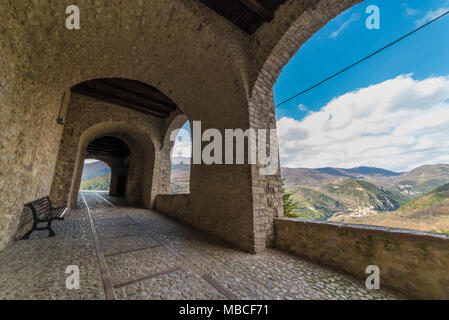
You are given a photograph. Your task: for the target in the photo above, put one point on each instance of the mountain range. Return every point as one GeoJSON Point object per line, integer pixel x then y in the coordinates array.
{"type": "Point", "coordinates": [429, 212]}
{"type": "Point", "coordinates": [96, 176]}
{"type": "Point", "coordinates": [409, 184]}
{"type": "Point", "coordinates": [95, 169]}
{"type": "Point", "coordinates": [358, 195]}
{"type": "Point", "coordinates": [418, 199]}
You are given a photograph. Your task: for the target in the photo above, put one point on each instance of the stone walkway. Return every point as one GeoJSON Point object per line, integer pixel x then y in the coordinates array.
{"type": "Point", "coordinates": [126, 253]}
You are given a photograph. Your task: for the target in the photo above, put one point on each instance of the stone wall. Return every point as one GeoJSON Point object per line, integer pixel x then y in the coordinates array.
{"type": "Point", "coordinates": [181, 208]}
{"type": "Point", "coordinates": [410, 262]}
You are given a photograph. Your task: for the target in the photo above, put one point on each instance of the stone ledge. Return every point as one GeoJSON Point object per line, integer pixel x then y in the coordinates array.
{"type": "Point", "coordinates": [413, 263]}
{"type": "Point", "coordinates": [403, 233]}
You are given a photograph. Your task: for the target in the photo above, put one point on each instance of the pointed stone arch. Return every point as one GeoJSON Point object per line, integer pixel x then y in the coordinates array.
{"type": "Point", "coordinates": [174, 123]}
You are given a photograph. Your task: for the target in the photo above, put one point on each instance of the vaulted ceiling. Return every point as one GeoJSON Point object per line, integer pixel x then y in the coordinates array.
{"type": "Point", "coordinates": [248, 15]}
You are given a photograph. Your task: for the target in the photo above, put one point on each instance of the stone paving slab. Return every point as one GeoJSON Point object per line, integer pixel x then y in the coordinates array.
{"type": "Point", "coordinates": [123, 221]}
{"type": "Point", "coordinates": [135, 265]}
{"type": "Point", "coordinates": [117, 245]}
{"type": "Point", "coordinates": [119, 231]}
{"type": "Point", "coordinates": [35, 269]}
{"type": "Point", "coordinates": [199, 268]}
{"type": "Point", "coordinates": [180, 285]}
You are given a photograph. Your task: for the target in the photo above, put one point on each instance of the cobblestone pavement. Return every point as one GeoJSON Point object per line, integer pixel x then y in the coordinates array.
{"type": "Point", "coordinates": [140, 254]}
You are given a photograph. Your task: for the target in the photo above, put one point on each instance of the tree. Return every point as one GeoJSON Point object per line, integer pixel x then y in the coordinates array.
{"type": "Point", "coordinates": [290, 204]}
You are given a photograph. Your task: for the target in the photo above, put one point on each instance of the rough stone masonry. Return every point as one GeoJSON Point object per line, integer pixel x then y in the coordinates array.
{"type": "Point", "coordinates": [212, 70]}
{"type": "Point", "coordinates": [215, 73]}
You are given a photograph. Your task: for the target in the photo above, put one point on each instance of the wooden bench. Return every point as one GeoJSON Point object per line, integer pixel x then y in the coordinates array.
{"type": "Point", "coordinates": [43, 212]}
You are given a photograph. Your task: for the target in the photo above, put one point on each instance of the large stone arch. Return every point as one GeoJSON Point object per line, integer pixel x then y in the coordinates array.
{"type": "Point", "coordinates": [273, 45]}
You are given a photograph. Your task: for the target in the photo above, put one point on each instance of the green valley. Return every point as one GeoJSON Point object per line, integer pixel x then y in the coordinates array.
{"type": "Point", "coordinates": [418, 199]}
{"type": "Point", "coordinates": [97, 183]}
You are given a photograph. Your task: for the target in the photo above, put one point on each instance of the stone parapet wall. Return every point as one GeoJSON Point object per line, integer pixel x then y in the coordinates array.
{"type": "Point", "coordinates": [413, 263]}
{"type": "Point", "coordinates": [176, 206]}
{"type": "Point", "coordinates": [224, 224]}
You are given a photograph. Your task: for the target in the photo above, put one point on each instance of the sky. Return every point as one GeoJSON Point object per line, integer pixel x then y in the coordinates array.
{"type": "Point", "coordinates": [391, 111]}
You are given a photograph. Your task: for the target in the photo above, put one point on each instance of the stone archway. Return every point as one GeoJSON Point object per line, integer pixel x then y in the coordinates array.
{"type": "Point", "coordinates": [175, 122]}
{"type": "Point", "coordinates": [88, 119]}
{"type": "Point", "coordinates": [84, 126]}
{"type": "Point", "coordinates": [275, 43]}
{"type": "Point", "coordinates": [273, 46]}
{"type": "Point", "coordinates": [127, 179]}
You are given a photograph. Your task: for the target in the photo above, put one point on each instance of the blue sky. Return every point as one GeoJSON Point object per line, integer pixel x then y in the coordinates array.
{"type": "Point", "coordinates": [417, 67]}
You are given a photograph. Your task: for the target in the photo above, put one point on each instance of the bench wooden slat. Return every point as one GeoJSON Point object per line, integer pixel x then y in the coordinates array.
{"type": "Point", "coordinates": [54, 213]}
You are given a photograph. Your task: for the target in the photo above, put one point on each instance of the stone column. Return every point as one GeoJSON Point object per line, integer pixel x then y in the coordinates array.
{"type": "Point", "coordinates": [68, 159]}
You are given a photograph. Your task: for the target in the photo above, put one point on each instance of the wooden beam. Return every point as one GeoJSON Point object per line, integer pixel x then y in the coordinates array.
{"type": "Point", "coordinates": [98, 149]}
{"type": "Point", "coordinates": [115, 100]}
{"type": "Point", "coordinates": [258, 9]}
{"type": "Point", "coordinates": [150, 92]}
{"type": "Point", "coordinates": [106, 155]}
{"type": "Point", "coordinates": [132, 95]}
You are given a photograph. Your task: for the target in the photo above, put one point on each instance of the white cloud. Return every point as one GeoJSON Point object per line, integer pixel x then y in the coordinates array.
{"type": "Point", "coordinates": [430, 15]}
{"type": "Point", "coordinates": [91, 161]}
{"type": "Point", "coordinates": [411, 12]}
{"type": "Point", "coordinates": [344, 25]}
{"type": "Point", "coordinates": [398, 124]}
{"type": "Point", "coordinates": [302, 107]}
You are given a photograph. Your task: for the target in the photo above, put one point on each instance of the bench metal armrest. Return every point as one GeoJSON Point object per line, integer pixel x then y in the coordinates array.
{"type": "Point", "coordinates": [33, 210]}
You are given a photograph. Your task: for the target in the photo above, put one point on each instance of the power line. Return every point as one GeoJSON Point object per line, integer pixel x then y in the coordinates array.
{"type": "Point", "coordinates": [362, 60]}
